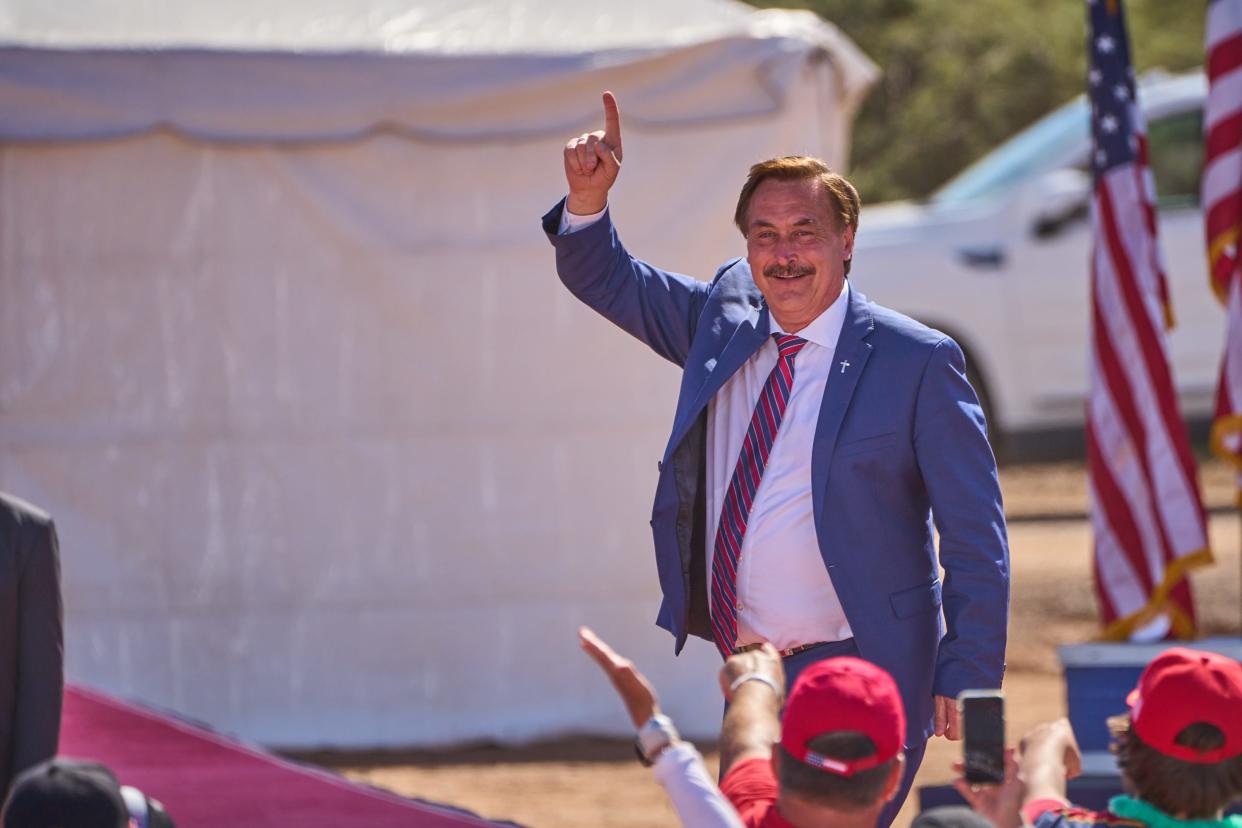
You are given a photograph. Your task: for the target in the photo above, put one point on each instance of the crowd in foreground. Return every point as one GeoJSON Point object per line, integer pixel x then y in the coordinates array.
{"type": "Point", "coordinates": [830, 754]}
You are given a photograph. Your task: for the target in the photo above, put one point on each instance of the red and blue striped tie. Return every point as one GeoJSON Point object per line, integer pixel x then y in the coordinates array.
{"type": "Point", "coordinates": [751, 461]}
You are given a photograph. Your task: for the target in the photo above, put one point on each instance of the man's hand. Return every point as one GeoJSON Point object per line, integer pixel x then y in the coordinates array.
{"type": "Point", "coordinates": [592, 162]}
{"type": "Point", "coordinates": [947, 723]}
{"type": "Point", "coordinates": [1001, 804]}
{"type": "Point", "coordinates": [632, 686]}
{"type": "Point", "coordinates": [765, 661]}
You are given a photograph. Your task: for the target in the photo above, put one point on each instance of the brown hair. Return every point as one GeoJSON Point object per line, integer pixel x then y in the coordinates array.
{"type": "Point", "coordinates": [842, 793]}
{"type": "Point", "coordinates": [1177, 787]}
{"type": "Point", "coordinates": [843, 202]}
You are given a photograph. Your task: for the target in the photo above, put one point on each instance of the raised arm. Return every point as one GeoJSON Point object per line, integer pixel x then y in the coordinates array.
{"type": "Point", "coordinates": [753, 683]}
{"type": "Point", "coordinates": [679, 767]}
{"type": "Point", "coordinates": [658, 307]}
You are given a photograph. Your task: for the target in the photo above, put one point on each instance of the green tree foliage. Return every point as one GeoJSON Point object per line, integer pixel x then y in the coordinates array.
{"type": "Point", "coordinates": [960, 76]}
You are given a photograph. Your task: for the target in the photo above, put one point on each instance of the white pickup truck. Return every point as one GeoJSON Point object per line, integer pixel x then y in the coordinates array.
{"type": "Point", "coordinates": [998, 259]}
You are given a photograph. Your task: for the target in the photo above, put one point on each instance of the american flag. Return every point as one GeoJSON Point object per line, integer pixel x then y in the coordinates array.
{"type": "Point", "coordinates": [1222, 210]}
{"type": "Point", "coordinates": [1146, 512]}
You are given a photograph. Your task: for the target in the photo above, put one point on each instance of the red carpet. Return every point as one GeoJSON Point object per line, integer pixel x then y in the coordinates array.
{"type": "Point", "coordinates": [207, 781]}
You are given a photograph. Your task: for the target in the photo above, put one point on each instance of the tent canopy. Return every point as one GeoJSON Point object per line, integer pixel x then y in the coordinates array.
{"type": "Point", "coordinates": [243, 71]}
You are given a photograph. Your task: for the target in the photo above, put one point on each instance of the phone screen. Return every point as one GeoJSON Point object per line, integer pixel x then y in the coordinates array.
{"type": "Point", "coordinates": [983, 726]}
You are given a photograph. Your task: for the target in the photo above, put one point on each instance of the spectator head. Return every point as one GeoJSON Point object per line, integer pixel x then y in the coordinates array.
{"type": "Point", "coordinates": [1180, 746]}
{"type": "Point", "coordinates": [66, 793]}
{"type": "Point", "coordinates": [841, 737]}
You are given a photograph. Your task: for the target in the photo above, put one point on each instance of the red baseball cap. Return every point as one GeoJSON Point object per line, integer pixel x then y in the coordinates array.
{"type": "Point", "coordinates": [1181, 687]}
{"type": "Point", "coordinates": [843, 693]}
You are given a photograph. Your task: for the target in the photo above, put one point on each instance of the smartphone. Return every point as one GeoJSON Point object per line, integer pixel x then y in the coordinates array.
{"type": "Point", "coordinates": [982, 716]}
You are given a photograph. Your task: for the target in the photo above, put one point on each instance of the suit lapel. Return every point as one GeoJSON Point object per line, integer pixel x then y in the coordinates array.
{"type": "Point", "coordinates": [748, 338]}
{"type": "Point", "coordinates": [848, 363]}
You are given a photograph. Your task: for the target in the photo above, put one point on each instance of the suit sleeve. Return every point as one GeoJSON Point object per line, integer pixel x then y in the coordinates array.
{"type": "Point", "coordinates": [40, 649]}
{"type": "Point", "coordinates": [959, 471]}
{"type": "Point", "coordinates": [658, 307]}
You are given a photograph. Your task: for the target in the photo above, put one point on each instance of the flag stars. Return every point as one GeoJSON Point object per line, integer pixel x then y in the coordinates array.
{"type": "Point", "coordinates": [1111, 93]}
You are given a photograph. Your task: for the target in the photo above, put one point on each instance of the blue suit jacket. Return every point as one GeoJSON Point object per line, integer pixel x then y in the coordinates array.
{"type": "Point", "coordinates": [900, 439]}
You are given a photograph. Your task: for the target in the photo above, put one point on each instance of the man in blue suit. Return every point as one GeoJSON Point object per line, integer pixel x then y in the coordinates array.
{"type": "Point", "coordinates": [817, 438]}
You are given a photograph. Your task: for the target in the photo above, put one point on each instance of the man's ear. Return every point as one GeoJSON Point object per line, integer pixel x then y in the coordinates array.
{"type": "Point", "coordinates": [893, 783]}
{"type": "Point", "coordinates": [848, 238]}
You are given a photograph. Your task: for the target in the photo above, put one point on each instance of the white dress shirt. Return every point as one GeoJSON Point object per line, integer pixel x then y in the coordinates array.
{"type": "Point", "coordinates": [784, 594]}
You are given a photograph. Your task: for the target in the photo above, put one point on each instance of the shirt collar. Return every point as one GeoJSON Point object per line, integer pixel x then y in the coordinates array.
{"type": "Point", "coordinates": [825, 329]}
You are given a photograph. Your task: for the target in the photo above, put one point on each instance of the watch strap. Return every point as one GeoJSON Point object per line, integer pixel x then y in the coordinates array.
{"type": "Point", "coordinates": [657, 733]}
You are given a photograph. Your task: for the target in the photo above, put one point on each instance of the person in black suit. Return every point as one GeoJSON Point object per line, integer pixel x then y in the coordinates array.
{"type": "Point", "coordinates": [32, 679]}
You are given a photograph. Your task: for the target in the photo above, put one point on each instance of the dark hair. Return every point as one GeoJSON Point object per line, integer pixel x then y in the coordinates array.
{"type": "Point", "coordinates": [1175, 786]}
{"type": "Point", "coordinates": [842, 793]}
{"type": "Point", "coordinates": [843, 202]}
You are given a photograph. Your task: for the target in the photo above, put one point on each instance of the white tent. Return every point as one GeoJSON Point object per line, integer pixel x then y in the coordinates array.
{"type": "Point", "coordinates": [334, 457]}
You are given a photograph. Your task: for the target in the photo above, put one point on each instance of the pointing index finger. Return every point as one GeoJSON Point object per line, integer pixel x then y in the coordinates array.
{"type": "Point", "coordinates": [612, 123]}
{"type": "Point", "coordinates": [595, 647]}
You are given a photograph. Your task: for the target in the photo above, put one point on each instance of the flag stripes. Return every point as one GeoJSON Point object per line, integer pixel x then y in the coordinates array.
{"type": "Point", "coordinates": [1221, 197]}
{"type": "Point", "coordinates": [1146, 512]}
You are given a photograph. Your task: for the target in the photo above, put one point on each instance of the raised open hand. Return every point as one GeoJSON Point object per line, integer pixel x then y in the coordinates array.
{"type": "Point", "coordinates": [592, 162]}
{"type": "Point", "coordinates": [631, 685]}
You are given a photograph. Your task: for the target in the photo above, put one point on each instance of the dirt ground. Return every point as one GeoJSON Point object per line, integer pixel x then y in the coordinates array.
{"type": "Point", "coordinates": [580, 782]}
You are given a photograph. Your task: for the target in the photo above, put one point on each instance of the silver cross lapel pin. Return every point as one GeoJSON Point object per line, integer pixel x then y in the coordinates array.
{"type": "Point", "coordinates": [845, 363]}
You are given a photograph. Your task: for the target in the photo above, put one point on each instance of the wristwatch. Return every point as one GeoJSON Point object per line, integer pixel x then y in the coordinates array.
{"type": "Point", "coordinates": [654, 736]}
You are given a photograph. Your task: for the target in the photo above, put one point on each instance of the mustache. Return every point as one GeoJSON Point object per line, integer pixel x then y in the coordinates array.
{"type": "Point", "coordinates": [777, 271]}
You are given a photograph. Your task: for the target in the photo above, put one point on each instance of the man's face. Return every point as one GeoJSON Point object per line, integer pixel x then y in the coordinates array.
{"type": "Point", "coordinates": [796, 251]}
